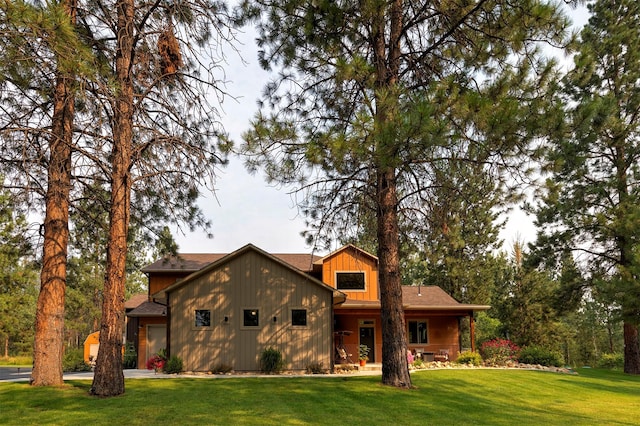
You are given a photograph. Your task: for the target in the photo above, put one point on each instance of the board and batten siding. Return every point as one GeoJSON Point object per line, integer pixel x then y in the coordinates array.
{"type": "Point", "coordinates": [352, 260]}
{"type": "Point", "coordinates": [250, 281]}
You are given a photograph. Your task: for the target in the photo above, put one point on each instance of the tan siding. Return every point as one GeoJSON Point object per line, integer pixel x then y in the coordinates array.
{"type": "Point", "coordinates": [250, 281]}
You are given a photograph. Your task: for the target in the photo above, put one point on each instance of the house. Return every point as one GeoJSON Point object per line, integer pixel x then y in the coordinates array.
{"type": "Point", "coordinates": [225, 309]}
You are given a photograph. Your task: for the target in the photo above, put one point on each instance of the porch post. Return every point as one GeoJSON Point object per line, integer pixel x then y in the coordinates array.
{"type": "Point", "coordinates": [472, 330]}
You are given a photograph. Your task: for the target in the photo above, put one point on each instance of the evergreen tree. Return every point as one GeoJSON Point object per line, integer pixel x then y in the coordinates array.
{"type": "Point", "coordinates": [591, 204]}
{"type": "Point", "coordinates": [18, 281]}
{"type": "Point", "coordinates": [369, 95]}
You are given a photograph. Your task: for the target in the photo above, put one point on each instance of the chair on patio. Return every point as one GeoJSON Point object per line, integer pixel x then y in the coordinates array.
{"type": "Point", "coordinates": [442, 355]}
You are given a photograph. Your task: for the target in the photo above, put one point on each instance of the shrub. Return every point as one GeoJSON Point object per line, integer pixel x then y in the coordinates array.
{"type": "Point", "coordinates": [315, 368]}
{"type": "Point", "coordinates": [417, 362]}
{"type": "Point", "coordinates": [469, 358]}
{"type": "Point", "coordinates": [221, 368]}
{"type": "Point", "coordinates": [157, 361]}
{"type": "Point", "coordinates": [130, 359]}
{"type": "Point", "coordinates": [613, 361]}
{"type": "Point", "coordinates": [173, 365]}
{"type": "Point", "coordinates": [74, 361]}
{"type": "Point", "coordinates": [540, 356]}
{"type": "Point", "coordinates": [271, 361]}
{"type": "Point", "coordinates": [499, 351]}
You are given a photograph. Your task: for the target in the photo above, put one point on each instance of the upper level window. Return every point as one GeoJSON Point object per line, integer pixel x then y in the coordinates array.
{"type": "Point", "coordinates": [203, 318]}
{"type": "Point", "coordinates": [251, 318]}
{"type": "Point", "coordinates": [299, 317]}
{"type": "Point", "coordinates": [350, 280]}
{"type": "Point", "coordinates": [418, 332]}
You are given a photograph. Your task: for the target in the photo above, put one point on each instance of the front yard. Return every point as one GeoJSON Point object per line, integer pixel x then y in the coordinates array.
{"type": "Point", "coordinates": [441, 397]}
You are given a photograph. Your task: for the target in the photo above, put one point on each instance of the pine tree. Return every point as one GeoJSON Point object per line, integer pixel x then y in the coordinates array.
{"type": "Point", "coordinates": [369, 95]}
{"type": "Point", "coordinates": [591, 204]}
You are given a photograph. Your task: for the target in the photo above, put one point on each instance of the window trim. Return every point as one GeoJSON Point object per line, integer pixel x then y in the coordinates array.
{"type": "Point", "coordinates": [306, 317]}
{"type": "Point", "coordinates": [418, 320]}
{"type": "Point", "coordinates": [364, 281]}
{"type": "Point", "coordinates": [250, 327]}
{"type": "Point", "coordinates": [194, 324]}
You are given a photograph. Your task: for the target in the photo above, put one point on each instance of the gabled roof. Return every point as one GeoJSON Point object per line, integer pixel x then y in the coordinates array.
{"type": "Point", "coordinates": [420, 298]}
{"type": "Point", "coordinates": [192, 262]}
{"type": "Point", "coordinates": [338, 296]}
{"type": "Point", "coordinates": [135, 301]}
{"type": "Point", "coordinates": [149, 309]}
{"type": "Point", "coordinates": [320, 260]}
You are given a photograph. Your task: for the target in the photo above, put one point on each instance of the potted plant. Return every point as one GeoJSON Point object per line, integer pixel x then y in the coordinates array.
{"type": "Point", "coordinates": [363, 354]}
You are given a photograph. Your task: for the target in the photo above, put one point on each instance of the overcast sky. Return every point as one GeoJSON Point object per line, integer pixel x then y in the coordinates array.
{"type": "Point", "coordinates": [245, 209]}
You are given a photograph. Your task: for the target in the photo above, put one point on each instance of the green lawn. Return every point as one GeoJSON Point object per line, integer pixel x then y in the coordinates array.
{"type": "Point", "coordinates": [441, 397]}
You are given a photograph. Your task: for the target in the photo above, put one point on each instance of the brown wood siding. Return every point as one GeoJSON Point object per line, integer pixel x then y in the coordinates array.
{"type": "Point", "coordinates": [250, 281]}
{"type": "Point", "coordinates": [142, 338]}
{"type": "Point", "coordinates": [443, 333]}
{"type": "Point", "coordinates": [158, 282]}
{"type": "Point", "coordinates": [351, 260]}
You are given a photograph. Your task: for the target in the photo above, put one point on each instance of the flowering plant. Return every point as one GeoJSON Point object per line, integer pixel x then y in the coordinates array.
{"type": "Point", "coordinates": [499, 351]}
{"type": "Point", "coordinates": [157, 361]}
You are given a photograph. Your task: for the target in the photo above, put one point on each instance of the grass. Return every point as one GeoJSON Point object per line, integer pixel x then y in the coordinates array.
{"type": "Point", "coordinates": [16, 361]}
{"type": "Point", "coordinates": [442, 397]}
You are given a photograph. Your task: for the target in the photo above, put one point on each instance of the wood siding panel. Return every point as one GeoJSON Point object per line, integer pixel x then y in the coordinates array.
{"type": "Point", "coordinates": [158, 282]}
{"type": "Point", "coordinates": [250, 281]}
{"type": "Point", "coordinates": [351, 260]}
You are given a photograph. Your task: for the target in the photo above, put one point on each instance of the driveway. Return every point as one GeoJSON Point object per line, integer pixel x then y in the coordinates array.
{"type": "Point", "coordinates": [22, 374]}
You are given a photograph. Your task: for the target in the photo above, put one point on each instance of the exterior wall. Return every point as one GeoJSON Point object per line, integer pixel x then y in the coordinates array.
{"type": "Point", "coordinates": [443, 333]}
{"type": "Point", "coordinates": [352, 260]}
{"type": "Point", "coordinates": [142, 338]}
{"type": "Point", "coordinates": [158, 282]}
{"type": "Point", "coordinates": [350, 320]}
{"type": "Point", "coordinates": [250, 281]}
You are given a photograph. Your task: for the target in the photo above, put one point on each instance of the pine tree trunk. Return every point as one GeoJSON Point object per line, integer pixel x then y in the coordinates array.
{"type": "Point", "coordinates": [48, 349]}
{"type": "Point", "coordinates": [395, 369]}
{"type": "Point", "coordinates": [109, 378]}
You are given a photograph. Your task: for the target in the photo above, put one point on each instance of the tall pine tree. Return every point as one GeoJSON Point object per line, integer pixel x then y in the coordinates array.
{"type": "Point", "coordinates": [592, 198]}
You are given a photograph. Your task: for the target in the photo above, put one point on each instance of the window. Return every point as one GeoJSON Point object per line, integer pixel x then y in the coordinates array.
{"type": "Point", "coordinates": [418, 332]}
{"type": "Point", "coordinates": [350, 280]}
{"type": "Point", "coordinates": [203, 318]}
{"type": "Point", "coordinates": [251, 318]}
{"type": "Point", "coordinates": [299, 317]}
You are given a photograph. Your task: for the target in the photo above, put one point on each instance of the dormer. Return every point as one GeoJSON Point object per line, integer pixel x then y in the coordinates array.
{"type": "Point", "coordinates": [353, 271]}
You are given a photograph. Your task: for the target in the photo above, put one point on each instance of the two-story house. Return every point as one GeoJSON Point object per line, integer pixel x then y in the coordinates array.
{"type": "Point", "coordinates": [213, 309]}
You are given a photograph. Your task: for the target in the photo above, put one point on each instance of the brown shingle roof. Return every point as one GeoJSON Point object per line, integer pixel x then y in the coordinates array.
{"type": "Point", "coordinates": [149, 309]}
{"type": "Point", "coordinates": [191, 262]}
{"type": "Point", "coordinates": [422, 297]}
{"type": "Point", "coordinates": [135, 301]}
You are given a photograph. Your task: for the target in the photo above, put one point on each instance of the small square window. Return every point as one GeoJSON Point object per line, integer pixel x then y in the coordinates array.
{"type": "Point", "coordinates": [203, 318]}
{"type": "Point", "coordinates": [299, 317]}
{"type": "Point", "coordinates": [251, 318]}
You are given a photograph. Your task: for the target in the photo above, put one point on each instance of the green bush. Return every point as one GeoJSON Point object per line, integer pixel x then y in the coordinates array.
{"type": "Point", "coordinates": [130, 359]}
{"type": "Point", "coordinates": [538, 355]}
{"type": "Point", "coordinates": [271, 361]}
{"type": "Point", "coordinates": [469, 358]}
{"type": "Point", "coordinates": [74, 361]}
{"type": "Point", "coordinates": [417, 362]}
{"type": "Point", "coordinates": [173, 365]}
{"type": "Point", "coordinates": [613, 361]}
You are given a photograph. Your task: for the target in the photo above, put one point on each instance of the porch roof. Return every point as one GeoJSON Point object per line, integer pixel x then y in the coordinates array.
{"type": "Point", "coordinates": [149, 309]}
{"type": "Point", "coordinates": [431, 298]}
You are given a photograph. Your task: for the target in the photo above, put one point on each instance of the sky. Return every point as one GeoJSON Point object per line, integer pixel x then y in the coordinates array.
{"type": "Point", "coordinates": [245, 209]}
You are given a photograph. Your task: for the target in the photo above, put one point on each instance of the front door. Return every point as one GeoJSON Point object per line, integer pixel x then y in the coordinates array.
{"type": "Point", "coordinates": [367, 337]}
{"type": "Point", "coordinates": [156, 339]}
